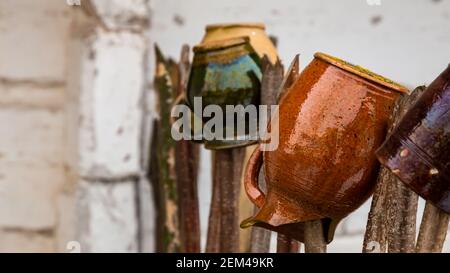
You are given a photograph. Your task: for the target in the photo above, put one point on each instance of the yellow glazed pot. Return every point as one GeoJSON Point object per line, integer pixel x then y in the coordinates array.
{"type": "Point", "coordinates": [255, 31]}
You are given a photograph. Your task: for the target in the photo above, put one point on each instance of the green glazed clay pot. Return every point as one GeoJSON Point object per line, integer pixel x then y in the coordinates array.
{"type": "Point", "coordinates": [225, 72]}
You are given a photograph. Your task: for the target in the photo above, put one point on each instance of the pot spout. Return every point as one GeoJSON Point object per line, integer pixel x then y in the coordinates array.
{"type": "Point", "coordinates": [287, 217]}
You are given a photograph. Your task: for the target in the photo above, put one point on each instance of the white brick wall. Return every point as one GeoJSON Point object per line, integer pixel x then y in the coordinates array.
{"type": "Point", "coordinates": [72, 83]}
{"type": "Point", "coordinates": [110, 104]}
{"type": "Point", "coordinates": [108, 214]}
{"type": "Point", "coordinates": [105, 113]}
{"type": "Point", "coordinates": [34, 39]}
{"type": "Point", "coordinates": [32, 136]}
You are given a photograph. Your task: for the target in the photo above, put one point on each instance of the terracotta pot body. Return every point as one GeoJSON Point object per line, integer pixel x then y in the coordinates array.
{"type": "Point", "coordinates": [255, 31]}
{"type": "Point", "coordinates": [224, 73]}
{"type": "Point", "coordinates": [418, 150]}
{"type": "Point", "coordinates": [330, 120]}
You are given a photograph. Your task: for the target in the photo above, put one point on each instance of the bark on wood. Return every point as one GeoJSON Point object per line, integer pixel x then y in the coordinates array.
{"type": "Point", "coordinates": [166, 79]}
{"type": "Point", "coordinates": [154, 181]}
{"type": "Point", "coordinates": [228, 166]}
{"type": "Point", "coordinates": [392, 219]}
{"type": "Point", "coordinates": [223, 226]}
{"type": "Point", "coordinates": [215, 219]}
{"type": "Point", "coordinates": [270, 84]}
{"type": "Point", "coordinates": [433, 229]}
{"type": "Point", "coordinates": [401, 217]}
{"type": "Point", "coordinates": [186, 164]}
{"type": "Point", "coordinates": [285, 244]}
{"type": "Point", "coordinates": [314, 237]}
{"type": "Point", "coordinates": [375, 237]}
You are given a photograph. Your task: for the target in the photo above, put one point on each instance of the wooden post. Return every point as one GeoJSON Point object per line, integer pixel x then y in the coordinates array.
{"type": "Point", "coordinates": [166, 80]}
{"type": "Point", "coordinates": [286, 244]}
{"type": "Point", "coordinates": [228, 165]}
{"type": "Point", "coordinates": [214, 221]}
{"type": "Point", "coordinates": [401, 217]}
{"type": "Point", "coordinates": [392, 218]}
{"type": "Point", "coordinates": [314, 237]}
{"type": "Point", "coordinates": [186, 165]}
{"type": "Point", "coordinates": [433, 229]}
{"type": "Point", "coordinates": [375, 237]}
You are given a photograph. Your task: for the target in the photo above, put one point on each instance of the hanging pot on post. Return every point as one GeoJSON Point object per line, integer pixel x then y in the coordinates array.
{"type": "Point", "coordinates": [226, 72]}
{"type": "Point", "coordinates": [330, 120]}
{"type": "Point", "coordinates": [418, 150]}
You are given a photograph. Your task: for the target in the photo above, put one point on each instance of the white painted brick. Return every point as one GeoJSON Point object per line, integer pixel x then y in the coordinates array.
{"type": "Point", "coordinates": [123, 14]}
{"type": "Point", "coordinates": [19, 241]}
{"type": "Point", "coordinates": [107, 216]}
{"type": "Point", "coordinates": [31, 136]}
{"type": "Point", "coordinates": [31, 95]}
{"type": "Point", "coordinates": [112, 84]}
{"type": "Point", "coordinates": [34, 39]}
{"type": "Point", "coordinates": [67, 222]}
{"type": "Point", "coordinates": [31, 167]}
{"type": "Point", "coordinates": [147, 215]}
{"type": "Point", "coordinates": [28, 195]}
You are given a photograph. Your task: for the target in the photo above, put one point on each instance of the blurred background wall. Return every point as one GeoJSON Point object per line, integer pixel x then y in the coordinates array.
{"type": "Point", "coordinates": [34, 189]}
{"type": "Point", "coordinates": [76, 101]}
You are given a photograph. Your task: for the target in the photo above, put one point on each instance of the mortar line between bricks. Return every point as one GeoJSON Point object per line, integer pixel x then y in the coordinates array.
{"type": "Point", "coordinates": [43, 84]}
{"type": "Point", "coordinates": [117, 179]}
{"type": "Point", "coordinates": [48, 232]}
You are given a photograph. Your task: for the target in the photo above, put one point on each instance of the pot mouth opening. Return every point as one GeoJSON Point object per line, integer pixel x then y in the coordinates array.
{"type": "Point", "coordinates": [233, 25]}
{"type": "Point", "coordinates": [361, 72]}
{"type": "Point", "coordinates": [220, 44]}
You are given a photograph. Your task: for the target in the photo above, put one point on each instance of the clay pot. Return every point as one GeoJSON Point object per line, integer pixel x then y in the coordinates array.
{"type": "Point", "coordinates": [331, 120]}
{"type": "Point", "coordinates": [255, 31]}
{"type": "Point", "coordinates": [418, 150]}
{"type": "Point", "coordinates": [224, 73]}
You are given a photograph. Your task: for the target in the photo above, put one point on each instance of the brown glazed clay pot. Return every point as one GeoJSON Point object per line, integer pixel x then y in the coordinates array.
{"type": "Point", "coordinates": [418, 150]}
{"type": "Point", "coordinates": [330, 120]}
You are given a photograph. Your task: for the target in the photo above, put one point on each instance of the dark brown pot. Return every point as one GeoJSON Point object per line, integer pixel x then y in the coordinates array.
{"type": "Point", "coordinates": [418, 150]}
{"type": "Point", "coordinates": [330, 122]}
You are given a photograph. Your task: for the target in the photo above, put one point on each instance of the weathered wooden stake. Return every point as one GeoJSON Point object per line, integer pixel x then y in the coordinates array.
{"type": "Point", "coordinates": [314, 237]}
{"type": "Point", "coordinates": [392, 219]}
{"type": "Point", "coordinates": [228, 168]}
{"type": "Point", "coordinates": [186, 165]}
{"type": "Point", "coordinates": [286, 244]}
{"type": "Point", "coordinates": [166, 79]}
{"type": "Point", "coordinates": [433, 229]}
{"type": "Point", "coordinates": [401, 217]}
{"type": "Point", "coordinates": [214, 221]}
{"type": "Point", "coordinates": [375, 237]}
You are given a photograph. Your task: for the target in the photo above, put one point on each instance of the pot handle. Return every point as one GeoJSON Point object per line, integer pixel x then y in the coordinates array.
{"type": "Point", "coordinates": [251, 178]}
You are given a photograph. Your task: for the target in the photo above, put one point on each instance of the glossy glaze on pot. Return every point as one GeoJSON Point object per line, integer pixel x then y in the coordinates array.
{"type": "Point", "coordinates": [255, 31]}
{"type": "Point", "coordinates": [225, 73]}
{"type": "Point", "coordinates": [330, 121]}
{"type": "Point", "coordinates": [418, 150]}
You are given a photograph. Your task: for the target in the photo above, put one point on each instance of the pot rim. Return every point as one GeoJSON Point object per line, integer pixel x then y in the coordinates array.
{"type": "Point", "coordinates": [232, 25]}
{"type": "Point", "coordinates": [361, 72]}
{"type": "Point", "coordinates": [220, 44]}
